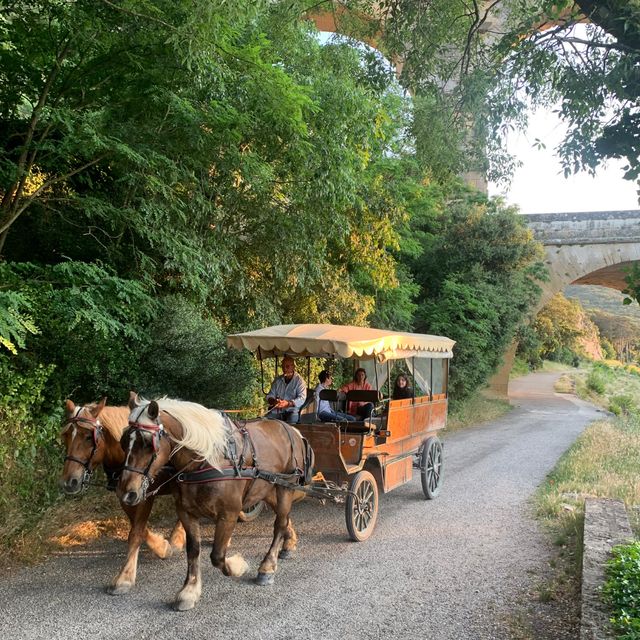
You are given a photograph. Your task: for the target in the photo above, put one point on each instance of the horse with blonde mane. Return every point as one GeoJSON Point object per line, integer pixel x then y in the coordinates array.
{"type": "Point", "coordinates": [221, 468]}
{"type": "Point", "coordinates": [91, 435]}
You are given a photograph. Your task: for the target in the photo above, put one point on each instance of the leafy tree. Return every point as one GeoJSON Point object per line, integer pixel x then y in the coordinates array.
{"type": "Point", "coordinates": [190, 360]}
{"type": "Point", "coordinates": [590, 72]}
{"type": "Point", "coordinates": [479, 67]}
{"type": "Point", "coordinates": [477, 274]}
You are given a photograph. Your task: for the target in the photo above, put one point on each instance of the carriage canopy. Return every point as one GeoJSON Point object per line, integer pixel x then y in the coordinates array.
{"type": "Point", "coordinates": [326, 340]}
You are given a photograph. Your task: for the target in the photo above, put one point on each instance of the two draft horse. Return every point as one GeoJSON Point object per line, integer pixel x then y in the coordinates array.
{"type": "Point", "coordinates": [91, 435]}
{"type": "Point", "coordinates": [221, 468]}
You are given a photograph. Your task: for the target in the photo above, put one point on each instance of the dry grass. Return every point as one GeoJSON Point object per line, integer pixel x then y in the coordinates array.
{"type": "Point", "coordinates": [603, 463]}
{"type": "Point", "coordinates": [565, 384]}
{"type": "Point", "coordinates": [76, 522]}
{"type": "Point", "coordinates": [476, 410]}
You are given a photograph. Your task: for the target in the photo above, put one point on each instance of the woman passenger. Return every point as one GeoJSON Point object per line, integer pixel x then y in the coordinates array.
{"type": "Point", "coordinates": [359, 383]}
{"type": "Point", "coordinates": [401, 388]}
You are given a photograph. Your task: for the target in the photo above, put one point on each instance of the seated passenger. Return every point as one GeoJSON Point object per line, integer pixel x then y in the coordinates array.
{"type": "Point", "coordinates": [401, 388]}
{"type": "Point", "coordinates": [359, 409]}
{"type": "Point", "coordinates": [324, 411]}
{"type": "Point", "coordinates": [287, 394]}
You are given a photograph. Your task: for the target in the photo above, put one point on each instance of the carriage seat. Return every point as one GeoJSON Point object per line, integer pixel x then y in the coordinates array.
{"type": "Point", "coordinates": [360, 395]}
{"type": "Point", "coordinates": [310, 416]}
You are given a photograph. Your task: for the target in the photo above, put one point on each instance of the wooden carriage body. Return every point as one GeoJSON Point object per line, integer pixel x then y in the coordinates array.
{"type": "Point", "coordinates": [386, 446]}
{"type": "Point", "coordinates": [357, 460]}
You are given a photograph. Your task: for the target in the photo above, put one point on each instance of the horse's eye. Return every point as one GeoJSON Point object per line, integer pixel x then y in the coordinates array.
{"type": "Point", "coordinates": [89, 438]}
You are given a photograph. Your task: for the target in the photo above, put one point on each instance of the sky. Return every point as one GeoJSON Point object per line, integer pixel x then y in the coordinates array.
{"type": "Point", "coordinates": [539, 186]}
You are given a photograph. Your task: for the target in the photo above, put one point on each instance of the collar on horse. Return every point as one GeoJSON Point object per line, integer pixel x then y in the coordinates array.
{"type": "Point", "coordinates": [96, 429]}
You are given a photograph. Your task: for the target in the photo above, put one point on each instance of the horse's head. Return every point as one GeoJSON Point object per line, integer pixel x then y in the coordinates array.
{"type": "Point", "coordinates": [83, 438]}
{"type": "Point", "coordinates": [146, 447]}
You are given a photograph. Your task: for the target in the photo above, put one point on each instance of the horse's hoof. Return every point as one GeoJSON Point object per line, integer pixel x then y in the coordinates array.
{"type": "Point", "coordinates": [265, 579]}
{"type": "Point", "coordinates": [119, 589]}
{"type": "Point", "coordinates": [168, 552]}
{"type": "Point", "coordinates": [285, 553]}
{"type": "Point", "coordinates": [184, 605]}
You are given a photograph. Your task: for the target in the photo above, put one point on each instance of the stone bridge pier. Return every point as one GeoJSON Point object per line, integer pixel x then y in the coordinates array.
{"type": "Point", "coordinates": [581, 248]}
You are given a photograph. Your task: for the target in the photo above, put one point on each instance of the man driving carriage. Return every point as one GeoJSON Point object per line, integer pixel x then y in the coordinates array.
{"type": "Point", "coordinates": [287, 394]}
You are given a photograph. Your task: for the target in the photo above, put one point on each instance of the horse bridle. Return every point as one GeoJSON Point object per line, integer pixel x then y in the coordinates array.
{"type": "Point", "coordinates": [157, 431]}
{"type": "Point", "coordinates": [96, 429]}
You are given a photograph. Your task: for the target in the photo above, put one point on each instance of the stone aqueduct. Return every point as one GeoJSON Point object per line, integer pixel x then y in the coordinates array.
{"type": "Point", "coordinates": [587, 248]}
{"type": "Point", "coordinates": [581, 248]}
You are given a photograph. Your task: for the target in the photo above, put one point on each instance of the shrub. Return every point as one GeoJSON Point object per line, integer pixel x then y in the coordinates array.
{"type": "Point", "coordinates": [622, 405]}
{"type": "Point", "coordinates": [596, 381]}
{"type": "Point", "coordinates": [188, 359]}
{"type": "Point", "coordinates": [29, 450]}
{"type": "Point", "coordinates": [622, 590]}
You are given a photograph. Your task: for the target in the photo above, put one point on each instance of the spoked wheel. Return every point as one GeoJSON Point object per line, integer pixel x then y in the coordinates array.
{"type": "Point", "coordinates": [362, 506]}
{"type": "Point", "coordinates": [250, 514]}
{"type": "Point", "coordinates": [431, 467]}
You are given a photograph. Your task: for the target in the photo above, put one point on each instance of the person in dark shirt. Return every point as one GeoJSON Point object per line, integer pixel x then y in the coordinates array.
{"type": "Point", "coordinates": [401, 388]}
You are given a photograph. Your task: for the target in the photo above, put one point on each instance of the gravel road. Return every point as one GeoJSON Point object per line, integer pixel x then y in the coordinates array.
{"type": "Point", "coordinates": [453, 568]}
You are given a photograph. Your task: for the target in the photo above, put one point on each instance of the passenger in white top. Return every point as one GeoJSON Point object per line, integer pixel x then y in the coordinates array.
{"type": "Point", "coordinates": [324, 411]}
{"type": "Point", "coordinates": [287, 394]}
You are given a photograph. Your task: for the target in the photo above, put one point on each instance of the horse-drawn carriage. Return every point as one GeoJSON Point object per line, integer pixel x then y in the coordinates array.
{"type": "Point", "coordinates": [356, 460]}
{"type": "Point", "coordinates": [218, 469]}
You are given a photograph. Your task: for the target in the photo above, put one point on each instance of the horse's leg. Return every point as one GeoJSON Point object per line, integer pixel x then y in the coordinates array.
{"type": "Point", "coordinates": [138, 517]}
{"type": "Point", "coordinates": [269, 564]}
{"type": "Point", "coordinates": [192, 588]}
{"type": "Point", "coordinates": [177, 538]}
{"type": "Point", "coordinates": [158, 544]}
{"type": "Point", "coordinates": [235, 565]}
{"type": "Point", "coordinates": [290, 541]}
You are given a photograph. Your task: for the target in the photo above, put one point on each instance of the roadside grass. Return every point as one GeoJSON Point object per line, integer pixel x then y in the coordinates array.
{"type": "Point", "coordinates": [476, 410]}
{"type": "Point", "coordinates": [604, 462]}
{"type": "Point", "coordinates": [565, 384]}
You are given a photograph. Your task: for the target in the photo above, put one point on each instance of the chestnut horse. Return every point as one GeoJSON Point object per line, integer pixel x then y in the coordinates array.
{"type": "Point", "coordinates": [92, 437]}
{"type": "Point", "coordinates": [221, 468]}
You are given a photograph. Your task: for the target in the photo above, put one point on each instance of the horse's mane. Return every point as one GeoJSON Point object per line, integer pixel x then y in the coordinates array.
{"type": "Point", "coordinates": [114, 420]}
{"type": "Point", "coordinates": [205, 431]}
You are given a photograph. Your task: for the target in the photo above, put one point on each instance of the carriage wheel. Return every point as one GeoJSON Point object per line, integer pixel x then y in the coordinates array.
{"type": "Point", "coordinates": [250, 514]}
{"type": "Point", "coordinates": [362, 506]}
{"type": "Point", "coordinates": [431, 467]}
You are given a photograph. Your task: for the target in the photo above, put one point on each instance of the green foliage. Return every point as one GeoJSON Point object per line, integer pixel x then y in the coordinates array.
{"type": "Point", "coordinates": [29, 450]}
{"type": "Point", "coordinates": [588, 71]}
{"type": "Point", "coordinates": [15, 320]}
{"type": "Point", "coordinates": [596, 381]}
{"type": "Point", "coordinates": [622, 590]}
{"type": "Point", "coordinates": [477, 273]}
{"type": "Point", "coordinates": [608, 350]}
{"type": "Point", "coordinates": [632, 279]}
{"type": "Point", "coordinates": [188, 359]}
{"type": "Point", "coordinates": [622, 405]}
{"type": "Point", "coordinates": [561, 332]}
{"type": "Point", "coordinates": [91, 323]}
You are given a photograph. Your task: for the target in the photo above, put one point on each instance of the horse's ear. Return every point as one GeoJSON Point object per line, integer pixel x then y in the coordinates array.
{"type": "Point", "coordinates": [153, 410]}
{"type": "Point", "coordinates": [69, 407]}
{"type": "Point", "coordinates": [133, 400]}
{"type": "Point", "coordinates": [97, 410]}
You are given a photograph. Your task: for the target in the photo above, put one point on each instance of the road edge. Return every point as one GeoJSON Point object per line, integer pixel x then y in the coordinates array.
{"type": "Point", "coordinates": [606, 525]}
